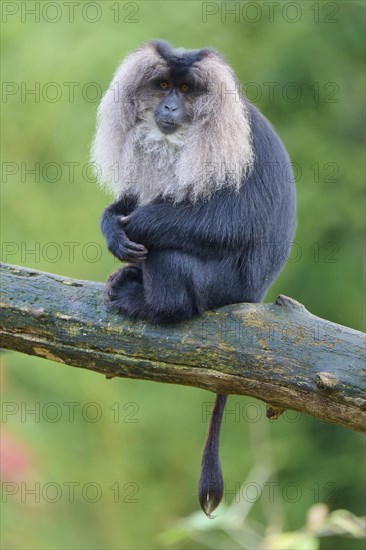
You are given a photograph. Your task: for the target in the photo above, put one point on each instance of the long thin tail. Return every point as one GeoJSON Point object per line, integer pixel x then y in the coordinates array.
{"type": "Point", "coordinates": [211, 484]}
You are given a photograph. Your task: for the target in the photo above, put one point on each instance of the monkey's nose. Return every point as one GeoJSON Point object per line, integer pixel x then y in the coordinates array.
{"type": "Point", "coordinates": [170, 108]}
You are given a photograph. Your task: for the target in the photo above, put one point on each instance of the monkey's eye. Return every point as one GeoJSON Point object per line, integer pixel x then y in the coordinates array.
{"type": "Point", "coordinates": [164, 85]}
{"type": "Point", "coordinates": [185, 88]}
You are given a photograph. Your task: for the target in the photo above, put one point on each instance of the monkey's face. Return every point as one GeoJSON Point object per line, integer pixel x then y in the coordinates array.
{"type": "Point", "coordinates": [173, 109]}
{"type": "Point", "coordinates": [168, 105]}
{"type": "Point", "coordinates": [173, 104]}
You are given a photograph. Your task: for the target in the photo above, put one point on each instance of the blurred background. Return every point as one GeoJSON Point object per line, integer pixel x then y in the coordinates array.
{"type": "Point", "coordinates": [114, 464]}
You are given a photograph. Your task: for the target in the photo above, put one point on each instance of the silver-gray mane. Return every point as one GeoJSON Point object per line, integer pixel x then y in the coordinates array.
{"type": "Point", "coordinates": [132, 156]}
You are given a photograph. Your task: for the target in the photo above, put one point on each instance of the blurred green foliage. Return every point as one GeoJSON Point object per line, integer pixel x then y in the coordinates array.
{"type": "Point", "coordinates": [302, 66]}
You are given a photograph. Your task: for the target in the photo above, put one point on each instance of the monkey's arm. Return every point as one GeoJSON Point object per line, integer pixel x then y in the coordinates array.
{"type": "Point", "coordinates": [227, 220]}
{"type": "Point", "coordinates": [117, 241]}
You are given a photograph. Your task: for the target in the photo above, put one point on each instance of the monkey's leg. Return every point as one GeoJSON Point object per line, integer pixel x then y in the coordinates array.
{"type": "Point", "coordinates": [171, 286]}
{"type": "Point", "coordinates": [211, 483]}
{"type": "Point", "coordinates": [170, 295]}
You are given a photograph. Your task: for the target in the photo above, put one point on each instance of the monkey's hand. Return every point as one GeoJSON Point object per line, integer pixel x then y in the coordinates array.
{"type": "Point", "coordinates": [132, 226]}
{"type": "Point", "coordinates": [122, 247]}
{"type": "Point", "coordinates": [125, 250]}
{"type": "Point", "coordinates": [140, 225]}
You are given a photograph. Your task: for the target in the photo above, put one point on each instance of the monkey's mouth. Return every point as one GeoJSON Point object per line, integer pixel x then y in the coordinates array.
{"type": "Point", "coordinates": [167, 126]}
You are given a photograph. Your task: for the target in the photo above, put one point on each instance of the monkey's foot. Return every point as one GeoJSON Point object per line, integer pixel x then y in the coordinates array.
{"type": "Point", "coordinates": [117, 279]}
{"type": "Point", "coordinates": [124, 291]}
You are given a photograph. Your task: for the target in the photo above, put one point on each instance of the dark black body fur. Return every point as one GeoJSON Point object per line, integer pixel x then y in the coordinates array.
{"type": "Point", "coordinates": [219, 251]}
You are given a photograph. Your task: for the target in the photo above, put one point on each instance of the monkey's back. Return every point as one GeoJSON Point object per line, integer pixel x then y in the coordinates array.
{"type": "Point", "coordinates": [268, 201]}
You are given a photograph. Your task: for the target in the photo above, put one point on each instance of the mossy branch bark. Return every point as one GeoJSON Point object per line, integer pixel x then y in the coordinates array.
{"type": "Point", "coordinates": [279, 353]}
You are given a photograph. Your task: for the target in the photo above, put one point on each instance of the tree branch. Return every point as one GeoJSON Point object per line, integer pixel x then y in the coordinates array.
{"type": "Point", "coordinates": [278, 353]}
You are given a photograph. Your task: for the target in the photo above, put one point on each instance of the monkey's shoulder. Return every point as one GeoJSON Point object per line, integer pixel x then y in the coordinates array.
{"type": "Point", "coordinates": [265, 139]}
